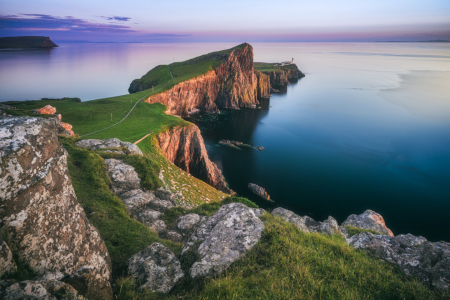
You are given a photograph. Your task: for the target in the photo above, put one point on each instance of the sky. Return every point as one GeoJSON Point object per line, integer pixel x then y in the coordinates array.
{"type": "Point", "coordinates": [227, 21]}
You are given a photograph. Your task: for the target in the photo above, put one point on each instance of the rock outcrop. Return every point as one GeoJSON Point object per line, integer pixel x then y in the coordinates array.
{"type": "Point", "coordinates": [122, 147]}
{"type": "Point", "coordinates": [430, 262]}
{"type": "Point", "coordinates": [46, 110]}
{"type": "Point", "coordinates": [368, 220]}
{"type": "Point", "coordinates": [40, 218]}
{"type": "Point", "coordinates": [67, 127]}
{"type": "Point", "coordinates": [259, 191]}
{"type": "Point", "coordinates": [282, 76]}
{"type": "Point", "coordinates": [222, 239]}
{"type": "Point", "coordinates": [184, 147]}
{"type": "Point", "coordinates": [39, 290]}
{"type": "Point", "coordinates": [7, 263]}
{"type": "Point", "coordinates": [308, 224]}
{"type": "Point", "coordinates": [156, 268]}
{"type": "Point", "coordinates": [233, 84]}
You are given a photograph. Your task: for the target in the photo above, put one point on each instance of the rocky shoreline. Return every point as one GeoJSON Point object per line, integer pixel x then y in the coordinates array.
{"type": "Point", "coordinates": [238, 145]}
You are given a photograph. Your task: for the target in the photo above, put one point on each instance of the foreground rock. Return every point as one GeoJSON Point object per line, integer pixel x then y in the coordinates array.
{"type": "Point", "coordinates": [156, 267]}
{"type": "Point", "coordinates": [185, 148]}
{"type": "Point", "coordinates": [46, 110]}
{"type": "Point", "coordinates": [222, 239]}
{"type": "Point", "coordinates": [259, 191]}
{"type": "Point", "coordinates": [430, 262]}
{"type": "Point", "coordinates": [7, 263]}
{"type": "Point", "coordinates": [67, 127]}
{"type": "Point", "coordinates": [45, 225]}
{"type": "Point", "coordinates": [308, 224]}
{"type": "Point", "coordinates": [368, 220]}
{"type": "Point", "coordinates": [44, 289]}
{"type": "Point", "coordinates": [128, 148]}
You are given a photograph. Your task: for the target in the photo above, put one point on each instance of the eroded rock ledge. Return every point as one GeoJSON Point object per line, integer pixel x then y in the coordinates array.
{"type": "Point", "coordinates": [40, 218]}
{"type": "Point", "coordinates": [185, 148]}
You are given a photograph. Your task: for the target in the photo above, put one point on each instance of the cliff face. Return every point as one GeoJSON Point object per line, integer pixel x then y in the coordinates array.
{"type": "Point", "coordinates": [233, 84]}
{"type": "Point", "coordinates": [184, 147]}
{"type": "Point", "coordinates": [282, 76]}
{"type": "Point", "coordinates": [41, 220]}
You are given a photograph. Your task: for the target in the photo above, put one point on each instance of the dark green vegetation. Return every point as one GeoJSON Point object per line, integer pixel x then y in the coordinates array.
{"type": "Point", "coordinates": [26, 42]}
{"type": "Point", "coordinates": [90, 116]}
{"type": "Point", "coordinates": [183, 71]}
{"type": "Point", "coordinates": [290, 264]}
{"type": "Point", "coordinates": [272, 67]}
{"type": "Point", "coordinates": [352, 230]}
{"type": "Point", "coordinates": [23, 272]}
{"type": "Point", "coordinates": [205, 209]}
{"type": "Point", "coordinates": [123, 236]}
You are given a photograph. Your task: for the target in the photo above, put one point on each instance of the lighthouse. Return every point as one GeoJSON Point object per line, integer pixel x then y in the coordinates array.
{"type": "Point", "coordinates": [292, 61]}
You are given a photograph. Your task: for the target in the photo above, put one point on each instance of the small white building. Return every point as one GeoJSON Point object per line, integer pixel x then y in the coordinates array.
{"type": "Point", "coordinates": [284, 63]}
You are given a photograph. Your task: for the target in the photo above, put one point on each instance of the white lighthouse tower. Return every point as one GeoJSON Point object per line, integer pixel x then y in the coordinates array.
{"type": "Point", "coordinates": [292, 61]}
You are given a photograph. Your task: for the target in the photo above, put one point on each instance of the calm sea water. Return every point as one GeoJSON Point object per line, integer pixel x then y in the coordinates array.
{"type": "Point", "coordinates": [367, 128]}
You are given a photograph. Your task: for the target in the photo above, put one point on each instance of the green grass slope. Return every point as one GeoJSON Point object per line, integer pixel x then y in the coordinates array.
{"type": "Point", "coordinates": [185, 70]}
{"type": "Point", "coordinates": [271, 67]}
{"type": "Point", "coordinates": [290, 264]}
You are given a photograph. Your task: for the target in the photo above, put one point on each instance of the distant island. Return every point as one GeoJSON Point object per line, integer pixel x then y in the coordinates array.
{"type": "Point", "coordinates": [430, 41]}
{"type": "Point", "coordinates": [17, 42]}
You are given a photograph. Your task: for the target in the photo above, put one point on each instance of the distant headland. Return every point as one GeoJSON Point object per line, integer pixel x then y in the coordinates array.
{"type": "Point", "coordinates": [17, 42]}
{"type": "Point", "coordinates": [429, 41]}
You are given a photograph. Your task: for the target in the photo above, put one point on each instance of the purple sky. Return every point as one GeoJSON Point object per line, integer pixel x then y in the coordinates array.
{"type": "Point", "coordinates": [227, 21]}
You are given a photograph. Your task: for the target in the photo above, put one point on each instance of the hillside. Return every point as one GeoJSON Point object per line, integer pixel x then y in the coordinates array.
{"type": "Point", "coordinates": [26, 42]}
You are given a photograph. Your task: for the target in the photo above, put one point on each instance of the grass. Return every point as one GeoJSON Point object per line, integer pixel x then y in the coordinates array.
{"type": "Point", "coordinates": [271, 67]}
{"type": "Point", "coordinates": [185, 70]}
{"type": "Point", "coordinates": [123, 236]}
{"type": "Point", "coordinates": [352, 230]}
{"type": "Point", "coordinates": [290, 264]}
{"type": "Point", "coordinates": [90, 116]}
{"type": "Point", "coordinates": [195, 191]}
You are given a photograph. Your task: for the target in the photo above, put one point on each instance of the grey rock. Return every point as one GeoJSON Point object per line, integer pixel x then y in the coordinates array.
{"type": "Point", "coordinates": [109, 143]}
{"type": "Point", "coordinates": [329, 226]}
{"type": "Point", "coordinates": [290, 217]}
{"type": "Point", "coordinates": [172, 236]}
{"type": "Point", "coordinates": [156, 267]}
{"type": "Point", "coordinates": [149, 216]}
{"type": "Point", "coordinates": [259, 212]}
{"type": "Point", "coordinates": [157, 225]}
{"type": "Point", "coordinates": [38, 290]}
{"type": "Point", "coordinates": [39, 209]}
{"type": "Point", "coordinates": [282, 213]}
{"type": "Point", "coordinates": [188, 222]}
{"type": "Point", "coordinates": [344, 232]}
{"type": "Point", "coordinates": [310, 221]}
{"type": "Point", "coordinates": [7, 263]}
{"type": "Point", "coordinates": [299, 222]}
{"type": "Point", "coordinates": [164, 194]}
{"type": "Point", "coordinates": [430, 262]}
{"type": "Point", "coordinates": [136, 201]}
{"type": "Point", "coordinates": [123, 177]}
{"type": "Point", "coordinates": [161, 205]}
{"type": "Point", "coordinates": [223, 238]}
{"type": "Point", "coordinates": [368, 220]}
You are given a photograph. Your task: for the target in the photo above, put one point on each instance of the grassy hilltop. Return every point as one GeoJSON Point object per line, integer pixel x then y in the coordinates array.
{"type": "Point", "coordinates": [272, 67]}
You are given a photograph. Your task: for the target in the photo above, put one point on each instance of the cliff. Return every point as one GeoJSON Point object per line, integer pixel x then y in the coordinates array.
{"type": "Point", "coordinates": [184, 147]}
{"type": "Point", "coordinates": [229, 81]}
{"type": "Point", "coordinates": [282, 75]}
{"type": "Point", "coordinates": [26, 42]}
{"type": "Point", "coordinates": [41, 221]}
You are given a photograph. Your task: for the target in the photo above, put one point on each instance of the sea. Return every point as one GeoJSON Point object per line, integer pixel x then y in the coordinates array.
{"type": "Point", "coordinates": [367, 128]}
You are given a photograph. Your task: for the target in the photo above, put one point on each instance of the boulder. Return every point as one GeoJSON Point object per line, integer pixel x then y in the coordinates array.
{"type": "Point", "coordinates": [46, 110]}
{"type": "Point", "coordinates": [290, 217]}
{"type": "Point", "coordinates": [109, 143]}
{"type": "Point", "coordinates": [156, 267]}
{"type": "Point", "coordinates": [259, 211]}
{"type": "Point", "coordinates": [39, 290]}
{"type": "Point", "coordinates": [222, 239]}
{"type": "Point", "coordinates": [7, 263]}
{"type": "Point", "coordinates": [67, 129]}
{"type": "Point", "coordinates": [329, 226]}
{"type": "Point", "coordinates": [136, 201]}
{"type": "Point", "coordinates": [161, 205]}
{"type": "Point", "coordinates": [123, 177]}
{"type": "Point", "coordinates": [188, 222]}
{"type": "Point", "coordinates": [46, 226]}
{"type": "Point", "coordinates": [368, 220]}
{"type": "Point", "coordinates": [430, 262]}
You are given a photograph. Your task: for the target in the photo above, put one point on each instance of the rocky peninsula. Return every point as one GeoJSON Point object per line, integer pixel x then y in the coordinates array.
{"type": "Point", "coordinates": [21, 42]}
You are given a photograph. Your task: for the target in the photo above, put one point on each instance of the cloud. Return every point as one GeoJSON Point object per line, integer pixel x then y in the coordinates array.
{"type": "Point", "coordinates": [116, 18]}
{"type": "Point", "coordinates": [47, 22]}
